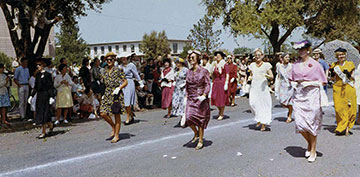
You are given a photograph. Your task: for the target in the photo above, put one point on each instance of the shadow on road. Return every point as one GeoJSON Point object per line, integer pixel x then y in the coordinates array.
{"type": "Point", "coordinates": [330, 128]}
{"type": "Point", "coordinates": [193, 145]}
{"type": "Point", "coordinates": [247, 111]}
{"type": "Point", "coordinates": [281, 119]}
{"type": "Point", "coordinates": [122, 136]}
{"type": "Point", "coordinates": [299, 152]}
{"type": "Point", "coordinates": [278, 106]}
{"type": "Point", "coordinates": [253, 127]}
{"type": "Point", "coordinates": [55, 133]}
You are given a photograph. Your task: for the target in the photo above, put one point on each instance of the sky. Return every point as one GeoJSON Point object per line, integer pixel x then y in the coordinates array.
{"type": "Point", "coordinates": [128, 20]}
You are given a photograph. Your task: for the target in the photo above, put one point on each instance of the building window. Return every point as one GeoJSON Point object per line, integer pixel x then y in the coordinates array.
{"type": "Point", "coordinates": [117, 48]}
{"type": "Point", "coordinates": [124, 48]}
{"type": "Point", "coordinates": [95, 50]}
{"type": "Point", "coordinates": [175, 48]}
{"type": "Point", "coordinates": [109, 48]}
{"type": "Point", "coordinates": [132, 47]}
{"type": "Point", "coordinates": [102, 49]}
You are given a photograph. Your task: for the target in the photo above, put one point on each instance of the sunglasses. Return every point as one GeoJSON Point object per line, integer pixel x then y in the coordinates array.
{"type": "Point", "coordinates": [109, 59]}
{"type": "Point", "coordinates": [38, 64]}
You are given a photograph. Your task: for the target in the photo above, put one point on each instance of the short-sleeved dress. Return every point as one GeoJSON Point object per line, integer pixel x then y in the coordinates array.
{"type": "Point", "coordinates": [112, 78]}
{"type": "Point", "coordinates": [129, 91]}
{"type": "Point", "coordinates": [179, 93]}
{"type": "Point", "coordinates": [285, 89]}
{"type": "Point", "coordinates": [259, 96]}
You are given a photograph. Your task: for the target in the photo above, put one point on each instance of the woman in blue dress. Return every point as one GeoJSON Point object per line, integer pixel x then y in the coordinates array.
{"type": "Point", "coordinates": [179, 91]}
{"type": "Point", "coordinates": [4, 96]}
{"type": "Point", "coordinates": [130, 91]}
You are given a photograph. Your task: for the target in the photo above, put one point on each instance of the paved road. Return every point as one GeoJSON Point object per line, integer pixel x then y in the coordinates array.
{"type": "Point", "coordinates": [154, 147]}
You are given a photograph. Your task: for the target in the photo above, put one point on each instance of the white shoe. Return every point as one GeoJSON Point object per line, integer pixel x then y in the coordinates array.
{"type": "Point", "coordinates": [307, 154]}
{"type": "Point", "coordinates": [57, 122]}
{"type": "Point", "coordinates": [312, 159]}
{"type": "Point", "coordinates": [66, 122]}
{"type": "Point", "coordinates": [220, 118]}
{"type": "Point", "coordinates": [30, 120]}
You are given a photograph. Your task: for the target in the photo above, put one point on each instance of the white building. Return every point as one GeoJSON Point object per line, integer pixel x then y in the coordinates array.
{"type": "Point", "coordinates": [100, 49]}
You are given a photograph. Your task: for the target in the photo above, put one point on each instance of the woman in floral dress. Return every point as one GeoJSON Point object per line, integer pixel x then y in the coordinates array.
{"type": "Point", "coordinates": [179, 91]}
{"type": "Point", "coordinates": [114, 80]}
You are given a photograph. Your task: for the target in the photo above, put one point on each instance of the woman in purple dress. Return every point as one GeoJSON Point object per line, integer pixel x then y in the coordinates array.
{"type": "Point", "coordinates": [197, 106]}
{"type": "Point", "coordinates": [308, 77]}
{"type": "Point", "coordinates": [220, 84]}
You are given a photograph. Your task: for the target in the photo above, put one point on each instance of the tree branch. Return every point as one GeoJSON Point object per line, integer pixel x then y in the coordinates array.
{"type": "Point", "coordinates": [287, 34]}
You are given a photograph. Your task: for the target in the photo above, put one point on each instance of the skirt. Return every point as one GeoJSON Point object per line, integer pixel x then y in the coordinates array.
{"type": "Point", "coordinates": [4, 100]}
{"type": "Point", "coordinates": [260, 101]}
{"type": "Point", "coordinates": [129, 93]}
{"type": "Point", "coordinates": [64, 98]}
{"type": "Point", "coordinates": [43, 108]}
{"type": "Point", "coordinates": [218, 94]}
{"type": "Point", "coordinates": [307, 110]}
{"type": "Point", "coordinates": [166, 99]}
{"type": "Point", "coordinates": [285, 93]}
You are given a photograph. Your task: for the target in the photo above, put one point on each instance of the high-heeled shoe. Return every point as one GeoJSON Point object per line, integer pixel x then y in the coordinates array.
{"type": "Point", "coordinates": [115, 140]}
{"type": "Point", "coordinates": [258, 124]}
{"type": "Point", "coordinates": [194, 139]}
{"type": "Point", "coordinates": [307, 154]}
{"type": "Point", "coordinates": [200, 145]}
{"type": "Point", "coordinates": [263, 128]}
{"type": "Point", "coordinates": [41, 136]}
{"type": "Point", "coordinates": [220, 118]}
{"type": "Point", "coordinates": [312, 159]}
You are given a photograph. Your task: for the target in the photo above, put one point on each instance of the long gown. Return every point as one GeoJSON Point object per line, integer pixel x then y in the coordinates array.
{"type": "Point", "coordinates": [129, 91]}
{"type": "Point", "coordinates": [259, 96]}
{"type": "Point", "coordinates": [197, 84]}
{"type": "Point", "coordinates": [285, 91]}
{"type": "Point", "coordinates": [306, 100]}
{"type": "Point", "coordinates": [178, 108]}
{"type": "Point", "coordinates": [232, 88]}
{"type": "Point", "coordinates": [44, 88]}
{"type": "Point", "coordinates": [218, 94]}
{"type": "Point", "coordinates": [344, 99]}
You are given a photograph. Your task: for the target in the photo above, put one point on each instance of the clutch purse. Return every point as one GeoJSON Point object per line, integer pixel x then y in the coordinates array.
{"type": "Point", "coordinates": [116, 106]}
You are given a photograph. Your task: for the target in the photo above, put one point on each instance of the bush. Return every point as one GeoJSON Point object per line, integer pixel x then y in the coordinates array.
{"type": "Point", "coordinates": [6, 60]}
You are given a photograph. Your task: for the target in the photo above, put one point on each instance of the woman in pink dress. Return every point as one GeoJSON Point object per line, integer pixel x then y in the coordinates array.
{"type": "Point", "coordinates": [307, 76]}
{"type": "Point", "coordinates": [197, 107]}
{"type": "Point", "coordinates": [220, 83]}
{"type": "Point", "coordinates": [167, 86]}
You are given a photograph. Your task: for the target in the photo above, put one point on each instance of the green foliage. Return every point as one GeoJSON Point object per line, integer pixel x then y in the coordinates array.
{"type": "Point", "coordinates": [71, 45]}
{"type": "Point", "coordinates": [6, 60]}
{"type": "Point", "coordinates": [155, 44]}
{"type": "Point", "coordinates": [242, 50]}
{"type": "Point", "coordinates": [186, 48]}
{"type": "Point", "coordinates": [203, 37]}
{"type": "Point", "coordinates": [275, 20]}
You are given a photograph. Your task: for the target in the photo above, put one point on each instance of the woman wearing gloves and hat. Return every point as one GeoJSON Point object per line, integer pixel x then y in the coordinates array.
{"type": "Point", "coordinates": [220, 84]}
{"type": "Point", "coordinates": [179, 90]}
{"type": "Point", "coordinates": [167, 86]}
{"type": "Point", "coordinates": [344, 93]}
{"type": "Point", "coordinates": [232, 88]}
{"type": "Point", "coordinates": [307, 78]}
{"type": "Point", "coordinates": [259, 96]}
{"type": "Point", "coordinates": [113, 99]}
{"type": "Point", "coordinates": [130, 91]}
{"type": "Point", "coordinates": [197, 87]}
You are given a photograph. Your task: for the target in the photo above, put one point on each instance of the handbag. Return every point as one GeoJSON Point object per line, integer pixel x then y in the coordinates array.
{"type": "Point", "coordinates": [116, 106]}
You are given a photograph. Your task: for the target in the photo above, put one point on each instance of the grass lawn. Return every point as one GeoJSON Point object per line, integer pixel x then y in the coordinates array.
{"type": "Point", "coordinates": [14, 91]}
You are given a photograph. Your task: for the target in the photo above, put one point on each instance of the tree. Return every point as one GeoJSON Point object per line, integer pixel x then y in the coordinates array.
{"type": "Point", "coordinates": [186, 48]}
{"type": "Point", "coordinates": [20, 16]}
{"type": "Point", "coordinates": [72, 46]}
{"type": "Point", "coordinates": [242, 50]}
{"type": "Point", "coordinates": [275, 20]}
{"type": "Point", "coordinates": [203, 37]}
{"type": "Point", "coordinates": [6, 60]}
{"type": "Point", "coordinates": [155, 44]}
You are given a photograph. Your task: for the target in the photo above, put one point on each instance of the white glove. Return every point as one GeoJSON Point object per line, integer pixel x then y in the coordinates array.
{"type": "Point", "coordinates": [141, 84]}
{"type": "Point", "coordinates": [182, 85]}
{"type": "Point", "coordinates": [98, 82]}
{"type": "Point", "coordinates": [201, 98]}
{"type": "Point", "coordinates": [116, 91]}
{"type": "Point", "coordinates": [232, 79]}
{"type": "Point", "coordinates": [51, 101]}
{"type": "Point", "coordinates": [29, 100]}
{"type": "Point", "coordinates": [226, 86]}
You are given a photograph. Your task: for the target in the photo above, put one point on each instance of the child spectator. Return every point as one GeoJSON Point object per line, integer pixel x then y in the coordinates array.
{"type": "Point", "coordinates": [86, 102]}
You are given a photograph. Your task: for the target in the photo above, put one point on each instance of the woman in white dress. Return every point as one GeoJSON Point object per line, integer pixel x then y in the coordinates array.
{"type": "Point", "coordinates": [285, 91]}
{"type": "Point", "coordinates": [259, 97]}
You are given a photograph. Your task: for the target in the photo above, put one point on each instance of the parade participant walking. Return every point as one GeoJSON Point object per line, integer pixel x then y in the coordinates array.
{"type": "Point", "coordinates": [307, 77]}
{"type": "Point", "coordinates": [285, 91]}
{"type": "Point", "coordinates": [197, 107]}
{"type": "Point", "coordinates": [344, 93]}
{"type": "Point", "coordinates": [64, 101]}
{"type": "Point", "coordinates": [21, 79]}
{"type": "Point", "coordinates": [259, 96]}
{"type": "Point", "coordinates": [167, 79]}
{"type": "Point", "coordinates": [130, 91]}
{"type": "Point", "coordinates": [4, 96]}
{"type": "Point", "coordinates": [178, 108]}
{"type": "Point", "coordinates": [113, 99]}
{"type": "Point", "coordinates": [319, 58]}
{"type": "Point", "coordinates": [220, 84]}
{"type": "Point", "coordinates": [44, 88]}
{"type": "Point", "coordinates": [232, 88]}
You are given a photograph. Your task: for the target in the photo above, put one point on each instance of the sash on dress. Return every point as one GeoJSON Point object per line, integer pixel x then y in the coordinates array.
{"type": "Point", "coordinates": [343, 77]}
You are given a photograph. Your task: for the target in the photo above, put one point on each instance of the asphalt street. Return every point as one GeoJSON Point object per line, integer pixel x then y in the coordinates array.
{"type": "Point", "coordinates": [154, 147]}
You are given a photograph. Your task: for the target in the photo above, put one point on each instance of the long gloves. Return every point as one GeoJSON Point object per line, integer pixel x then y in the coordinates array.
{"type": "Point", "coordinates": [232, 79]}
{"type": "Point", "coordinates": [226, 86]}
{"type": "Point", "coordinates": [51, 101]}
{"type": "Point", "coordinates": [116, 91]}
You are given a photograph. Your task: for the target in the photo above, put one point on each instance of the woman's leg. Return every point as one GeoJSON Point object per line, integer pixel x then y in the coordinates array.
{"type": "Point", "coordinates": [196, 132]}
{"type": "Point", "coordinates": [289, 119]}
{"type": "Point", "coordinates": [306, 136]}
{"type": "Point", "coordinates": [312, 146]}
{"type": "Point", "coordinates": [43, 129]}
{"type": "Point", "coordinates": [169, 111]}
{"type": "Point", "coordinates": [201, 139]}
{"type": "Point", "coordinates": [65, 113]}
{"type": "Point", "coordinates": [117, 128]}
{"type": "Point", "coordinates": [128, 113]}
{"type": "Point", "coordinates": [3, 115]}
{"type": "Point", "coordinates": [58, 114]}
{"type": "Point", "coordinates": [108, 119]}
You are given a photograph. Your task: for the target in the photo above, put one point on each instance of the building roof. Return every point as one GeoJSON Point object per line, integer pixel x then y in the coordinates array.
{"type": "Point", "coordinates": [130, 42]}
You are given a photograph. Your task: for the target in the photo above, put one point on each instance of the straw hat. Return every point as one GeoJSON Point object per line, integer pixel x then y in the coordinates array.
{"type": "Point", "coordinates": [317, 51]}
{"type": "Point", "coordinates": [110, 54]}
